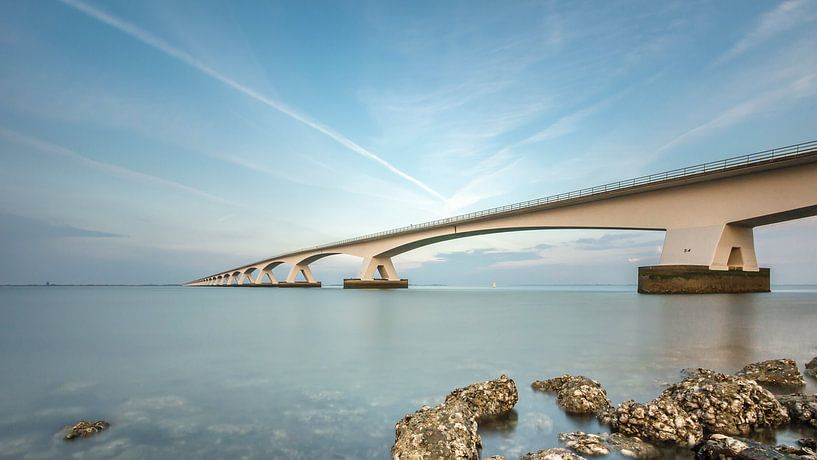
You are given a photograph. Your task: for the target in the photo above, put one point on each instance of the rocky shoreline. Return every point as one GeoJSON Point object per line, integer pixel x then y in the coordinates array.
{"type": "Point", "coordinates": [707, 412]}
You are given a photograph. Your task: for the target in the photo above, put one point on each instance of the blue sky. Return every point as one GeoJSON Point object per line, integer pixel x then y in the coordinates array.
{"type": "Point", "coordinates": [156, 142]}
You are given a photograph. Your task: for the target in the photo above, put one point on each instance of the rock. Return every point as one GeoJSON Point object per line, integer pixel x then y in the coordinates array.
{"type": "Point", "coordinates": [603, 444]}
{"type": "Point", "coordinates": [727, 404]}
{"type": "Point", "coordinates": [780, 372]}
{"type": "Point", "coordinates": [811, 368]}
{"type": "Point", "coordinates": [659, 420]}
{"type": "Point", "coordinates": [84, 429]}
{"type": "Point", "coordinates": [487, 399]}
{"type": "Point", "coordinates": [446, 431]}
{"type": "Point", "coordinates": [722, 447]}
{"type": "Point", "coordinates": [552, 454]}
{"type": "Point", "coordinates": [801, 408]}
{"type": "Point", "coordinates": [811, 443]}
{"type": "Point", "coordinates": [576, 394]}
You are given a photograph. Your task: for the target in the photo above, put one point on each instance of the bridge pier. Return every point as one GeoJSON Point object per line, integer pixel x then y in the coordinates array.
{"type": "Point", "coordinates": [700, 279]}
{"type": "Point", "coordinates": [384, 267]}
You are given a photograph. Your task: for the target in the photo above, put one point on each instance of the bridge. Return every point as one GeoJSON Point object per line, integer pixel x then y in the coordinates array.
{"type": "Point", "coordinates": [708, 212]}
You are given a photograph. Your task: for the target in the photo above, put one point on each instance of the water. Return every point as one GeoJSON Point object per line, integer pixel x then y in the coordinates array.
{"type": "Point", "coordinates": [326, 373]}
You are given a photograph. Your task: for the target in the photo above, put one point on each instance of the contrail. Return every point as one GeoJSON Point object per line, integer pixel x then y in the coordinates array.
{"type": "Point", "coordinates": [179, 55]}
{"type": "Point", "coordinates": [58, 150]}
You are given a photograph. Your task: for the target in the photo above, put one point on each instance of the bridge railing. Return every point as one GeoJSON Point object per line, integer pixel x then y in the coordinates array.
{"type": "Point", "coordinates": [779, 153]}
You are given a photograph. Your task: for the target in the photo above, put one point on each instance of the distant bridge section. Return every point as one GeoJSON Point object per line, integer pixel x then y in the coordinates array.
{"type": "Point", "coordinates": [708, 212]}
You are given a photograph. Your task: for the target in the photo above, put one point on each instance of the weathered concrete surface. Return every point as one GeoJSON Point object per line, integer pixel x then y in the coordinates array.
{"type": "Point", "coordinates": [727, 404]}
{"type": "Point", "coordinates": [699, 279]}
{"type": "Point", "coordinates": [576, 394]}
{"type": "Point", "coordinates": [356, 283]}
{"type": "Point", "coordinates": [777, 372]}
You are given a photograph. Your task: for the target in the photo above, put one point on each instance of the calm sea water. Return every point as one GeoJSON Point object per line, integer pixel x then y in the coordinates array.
{"type": "Point", "coordinates": [326, 373]}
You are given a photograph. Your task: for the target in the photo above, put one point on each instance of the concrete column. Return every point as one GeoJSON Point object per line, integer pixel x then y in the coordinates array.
{"type": "Point", "coordinates": [718, 247]}
{"type": "Point", "coordinates": [303, 269]}
{"type": "Point", "coordinates": [262, 273]}
{"type": "Point", "coordinates": [382, 265]}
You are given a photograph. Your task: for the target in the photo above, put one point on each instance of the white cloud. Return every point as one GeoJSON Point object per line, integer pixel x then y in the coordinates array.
{"type": "Point", "coordinates": [786, 16]}
{"type": "Point", "coordinates": [185, 58]}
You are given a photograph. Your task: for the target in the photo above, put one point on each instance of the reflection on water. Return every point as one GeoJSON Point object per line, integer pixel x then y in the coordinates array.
{"type": "Point", "coordinates": [326, 373]}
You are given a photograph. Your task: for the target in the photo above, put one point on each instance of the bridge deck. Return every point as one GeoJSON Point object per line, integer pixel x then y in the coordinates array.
{"type": "Point", "coordinates": [744, 164]}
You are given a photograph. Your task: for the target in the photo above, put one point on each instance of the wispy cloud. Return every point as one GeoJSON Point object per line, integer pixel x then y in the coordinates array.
{"type": "Point", "coordinates": [119, 171]}
{"type": "Point", "coordinates": [186, 58]}
{"type": "Point", "coordinates": [786, 16]}
{"type": "Point", "coordinates": [805, 86]}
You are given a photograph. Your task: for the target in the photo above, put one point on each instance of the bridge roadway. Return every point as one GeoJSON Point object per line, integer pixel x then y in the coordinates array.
{"type": "Point", "coordinates": [708, 212]}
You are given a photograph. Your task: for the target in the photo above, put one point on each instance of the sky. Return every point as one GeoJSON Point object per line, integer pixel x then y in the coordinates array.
{"type": "Point", "coordinates": [161, 141]}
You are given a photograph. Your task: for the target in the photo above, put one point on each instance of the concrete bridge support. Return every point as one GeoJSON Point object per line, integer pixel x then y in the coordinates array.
{"type": "Point", "coordinates": [701, 260]}
{"type": "Point", "coordinates": [384, 267]}
{"type": "Point", "coordinates": [306, 272]}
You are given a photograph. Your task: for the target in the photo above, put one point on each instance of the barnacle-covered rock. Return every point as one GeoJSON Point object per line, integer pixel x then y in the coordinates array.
{"type": "Point", "coordinates": [552, 454]}
{"type": "Point", "coordinates": [490, 398]}
{"type": "Point", "coordinates": [660, 420]}
{"type": "Point", "coordinates": [604, 443]}
{"type": "Point", "coordinates": [576, 394]}
{"type": "Point", "coordinates": [726, 404]}
{"type": "Point", "coordinates": [811, 368]}
{"type": "Point", "coordinates": [801, 408]}
{"type": "Point", "coordinates": [779, 372]}
{"type": "Point", "coordinates": [446, 431]}
{"type": "Point", "coordinates": [84, 428]}
{"type": "Point", "coordinates": [722, 447]}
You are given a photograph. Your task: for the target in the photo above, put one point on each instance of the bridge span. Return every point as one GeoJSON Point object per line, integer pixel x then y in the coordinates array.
{"type": "Point", "coordinates": [708, 212]}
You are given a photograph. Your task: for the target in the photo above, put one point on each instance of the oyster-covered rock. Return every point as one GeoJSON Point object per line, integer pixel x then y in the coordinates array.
{"type": "Point", "coordinates": [801, 408]}
{"type": "Point", "coordinates": [727, 404]}
{"type": "Point", "coordinates": [84, 428]}
{"type": "Point", "coordinates": [552, 454]}
{"type": "Point", "coordinates": [576, 394]}
{"type": "Point", "coordinates": [446, 431]}
{"type": "Point", "coordinates": [811, 368]}
{"type": "Point", "coordinates": [660, 420]}
{"type": "Point", "coordinates": [811, 443]}
{"type": "Point", "coordinates": [490, 398]}
{"type": "Point", "coordinates": [779, 372]}
{"type": "Point", "coordinates": [604, 443]}
{"type": "Point", "coordinates": [722, 447]}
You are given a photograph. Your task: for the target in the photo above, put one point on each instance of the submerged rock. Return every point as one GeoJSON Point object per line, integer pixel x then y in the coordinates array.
{"type": "Point", "coordinates": [604, 443]}
{"type": "Point", "coordinates": [552, 454]}
{"type": "Point", "coordinates": [490, 398]}
{"type": "Point", "coordinates": [727, 404]}
{"type": "Point", "coordinates": [446, 431]}
{"type": "Point", "coordinates": [576, 394]}
{"type": "Point", "coordinates": [780, 372]}
{"type": "Point", "coordinates": [450, 430]}
{"type": "Point", "coordinates": [801, 408]}
{"type": "Point", "coordinates": [811, 368]}
{"type": "Point", "coordinates": [722, 447]}
{"type": "Point", "coordinates": [84, 429]}
{"type": "Point", "coordinates": [811, 443]}
{"type": "Point", "coordinates": [660, 420]}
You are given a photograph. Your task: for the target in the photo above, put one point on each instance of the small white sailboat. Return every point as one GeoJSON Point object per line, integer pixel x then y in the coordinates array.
{"type": "Point", "coordinates": [493, 284]}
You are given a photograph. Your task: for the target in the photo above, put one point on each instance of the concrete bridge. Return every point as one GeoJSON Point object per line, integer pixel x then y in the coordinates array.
{"type": "Point", "coordinates": [708, 212]}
